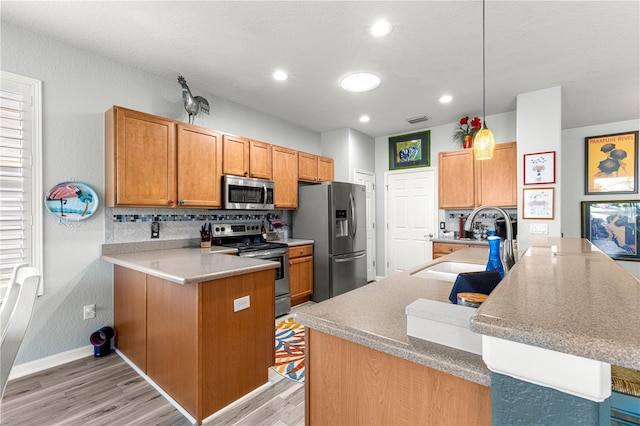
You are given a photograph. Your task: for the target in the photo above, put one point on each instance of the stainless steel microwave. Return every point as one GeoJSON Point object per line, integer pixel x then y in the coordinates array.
{"type": "Point", "coordinates": [240, 193]}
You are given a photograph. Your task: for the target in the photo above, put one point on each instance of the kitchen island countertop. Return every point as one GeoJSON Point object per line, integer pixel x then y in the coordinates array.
{"type": "Point", "coordinates": [374, 316]}
{"type": "Point", "coordinates": [578, 302]}
{"type": "Point", "coordinates": [189, 265]}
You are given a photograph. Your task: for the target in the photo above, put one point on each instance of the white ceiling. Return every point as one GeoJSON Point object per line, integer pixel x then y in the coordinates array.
{"type": "Point", "coordinates": [231, 48]}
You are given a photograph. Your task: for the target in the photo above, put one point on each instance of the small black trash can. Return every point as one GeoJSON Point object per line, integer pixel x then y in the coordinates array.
{"type": "Point", "coordinates": [101, 341]}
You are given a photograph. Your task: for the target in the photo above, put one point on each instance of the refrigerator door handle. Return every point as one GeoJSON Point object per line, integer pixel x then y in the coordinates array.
{"type": "Point", "coordinates": [353, 225]}
{"type": "Point", "coordinates": [349, 259]}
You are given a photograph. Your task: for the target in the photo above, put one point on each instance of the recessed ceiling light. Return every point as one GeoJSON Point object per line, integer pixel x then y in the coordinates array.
{"type": "Point", "coordinates": [381, 29]}
{"type": "Point", "coordinates": [360, 82]}
{"type": "Point", "coordinates": [445, 99]}
{"type": "Point", "coordinates": [280, 75]}
{"type": "Point", "coordinates": [364, 119]}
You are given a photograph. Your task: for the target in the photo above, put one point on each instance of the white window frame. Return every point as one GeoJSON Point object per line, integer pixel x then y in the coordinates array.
{"type": "Point", "coordinates": [35, 210]}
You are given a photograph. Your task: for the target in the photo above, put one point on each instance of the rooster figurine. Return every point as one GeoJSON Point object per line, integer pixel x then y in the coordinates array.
{"type": "Point", "coordinates": [192, 104]}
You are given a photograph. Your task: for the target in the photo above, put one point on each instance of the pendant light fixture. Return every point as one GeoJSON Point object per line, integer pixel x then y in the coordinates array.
{"type": "Point", "coordinates": [484, 143]}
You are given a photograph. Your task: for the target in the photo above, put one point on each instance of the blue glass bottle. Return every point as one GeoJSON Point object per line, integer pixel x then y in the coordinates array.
{"type": "Point", "coordinates": [494, 263]}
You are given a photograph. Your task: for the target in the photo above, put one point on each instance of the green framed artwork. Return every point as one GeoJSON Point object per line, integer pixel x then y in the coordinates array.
{"type": "Point", "coordinates": [411, 150]}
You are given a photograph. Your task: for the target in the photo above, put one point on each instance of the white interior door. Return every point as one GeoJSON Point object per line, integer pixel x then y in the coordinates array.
{"type": "Point", "coordinates": [411, 212]}
{"type": "Point", "coordinates": [366, 178]}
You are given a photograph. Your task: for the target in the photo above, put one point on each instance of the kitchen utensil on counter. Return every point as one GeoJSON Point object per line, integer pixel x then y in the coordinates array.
{"type": "Point", "coordinates": [205, 236]}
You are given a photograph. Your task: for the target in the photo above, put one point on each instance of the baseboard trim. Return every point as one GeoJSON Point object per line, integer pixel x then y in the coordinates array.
{"type": "Point", "coordinates": [31, 367]}
{"type": "Point", "coordinates": [156, 387]}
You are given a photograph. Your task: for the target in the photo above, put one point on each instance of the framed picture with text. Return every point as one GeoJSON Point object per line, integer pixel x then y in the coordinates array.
{"type": "Point", "coordinates": [611, 164]}
{"type": "Point", "coordinates": [540, 168]}
{"type": "Point", "coordinates": [412, 150]}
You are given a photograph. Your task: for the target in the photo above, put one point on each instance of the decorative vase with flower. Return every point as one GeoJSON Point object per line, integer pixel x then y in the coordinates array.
{"type": "Point", "coordinates": [466, 131]}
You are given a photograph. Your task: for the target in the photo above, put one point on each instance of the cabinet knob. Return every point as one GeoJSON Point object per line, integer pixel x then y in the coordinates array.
{"type": "Point", "coordinates": [301, 251]}
{"type": "Point", "coordinates": [171, 202]}
{"type": "Point", "coordinates": [181, 202]}
{"type": "Point", "coordinates": [246, 173]}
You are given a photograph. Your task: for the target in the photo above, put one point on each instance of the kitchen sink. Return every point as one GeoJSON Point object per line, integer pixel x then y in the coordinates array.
{"type": "Point", "coordinates": [448, 271]}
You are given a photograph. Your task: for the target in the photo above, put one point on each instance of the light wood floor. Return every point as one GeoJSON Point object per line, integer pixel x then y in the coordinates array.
{"type": "Point", "coordinates": [107, 391]}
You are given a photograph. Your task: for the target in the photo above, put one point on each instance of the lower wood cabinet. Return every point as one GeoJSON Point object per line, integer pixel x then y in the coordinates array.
{"type": "Point", "coordinates": [350, 384]}
{"type": "Point", "coordinates": [300, 273]}
{"type": "Point", "coordinates": [189, 340]}
{"type": "Point", "coordinates": [443, 249]}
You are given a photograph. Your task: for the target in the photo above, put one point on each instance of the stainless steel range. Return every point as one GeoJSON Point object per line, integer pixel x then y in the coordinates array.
{"type": "Point", "coordinates": [247, 238]}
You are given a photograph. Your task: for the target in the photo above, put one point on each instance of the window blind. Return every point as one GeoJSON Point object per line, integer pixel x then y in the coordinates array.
{"type": "Point", "coordinates": [20, 175]}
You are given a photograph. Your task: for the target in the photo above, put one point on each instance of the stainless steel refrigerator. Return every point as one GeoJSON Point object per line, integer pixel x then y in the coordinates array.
{"type": "Point", "coordinates": [333, 215]}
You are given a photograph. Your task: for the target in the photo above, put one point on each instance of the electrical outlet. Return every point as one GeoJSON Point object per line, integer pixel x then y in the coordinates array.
{"type": "Point", "coordinates": [241, 303]}
{"type": "Point", "coordinates": [442, 225]}
{"type": "Point", "coordinates": [89, 311]}
{"type": "Point", "coordinates": [155, 230]}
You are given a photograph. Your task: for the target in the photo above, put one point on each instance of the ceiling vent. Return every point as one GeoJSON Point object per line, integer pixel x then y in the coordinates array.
{"type": "Point", "coordinates": [419, 119]}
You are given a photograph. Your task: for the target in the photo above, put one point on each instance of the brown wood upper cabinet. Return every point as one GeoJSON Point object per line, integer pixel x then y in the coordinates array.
{"type": "Point", "coordinates": [465, 183]}
{"type": "Point", "coordinates": [285, 177]}
{"type": "Point", "coordinates": [153, 161]}
{"type": "Point", "coordinates": [199, 167]}
{"type": "Point", "coordinates": [138, 149]}
{"type": "Point", "coordinates": [245, 157]}
{"type": "Point", "coordinates": [313, 168]}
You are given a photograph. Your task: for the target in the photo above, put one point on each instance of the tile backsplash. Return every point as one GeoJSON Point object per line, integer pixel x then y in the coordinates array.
{"type": "Point", "coordinates": [485, 218]}
{"type": "Point", "coordinates": [125, 225]}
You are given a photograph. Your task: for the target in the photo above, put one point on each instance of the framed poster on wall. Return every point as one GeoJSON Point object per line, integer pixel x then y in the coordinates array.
{"type": "Point", "coordinates": [412, 150]}
{"type": "Point", "coordinates": [612, 226]}
{"type": "Point", "coordinates": [611, 164]}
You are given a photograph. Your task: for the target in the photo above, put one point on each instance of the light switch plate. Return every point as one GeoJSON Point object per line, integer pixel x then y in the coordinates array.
{"type": "Point", "coordinates": [538, 228]}
{"type": "Point", "coordinates": [241, 303]}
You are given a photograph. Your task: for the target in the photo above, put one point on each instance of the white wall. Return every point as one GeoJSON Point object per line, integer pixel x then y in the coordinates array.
{"type": "Point", "coordinates": [361, 152]}
{"type": "Point", "coordinates": [539, 118]}
{"type": "Point", "coordinates": [503, 127]}
{"type": "Point", "coordinates": [350, 149]}
{"type": "Point", "coordinates": [573, 177]}
{"type": "Point", "coordinates": [78, 87]}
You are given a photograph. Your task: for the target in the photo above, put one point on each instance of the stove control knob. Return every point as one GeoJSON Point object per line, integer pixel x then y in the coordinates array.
{"type": "Point", "coordinates": [222, 229]}
{"type": "Point", "coordinates": [217, 229]}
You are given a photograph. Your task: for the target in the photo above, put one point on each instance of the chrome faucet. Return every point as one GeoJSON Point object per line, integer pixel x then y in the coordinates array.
{"type": "Point", "coordinates": [507, 253]}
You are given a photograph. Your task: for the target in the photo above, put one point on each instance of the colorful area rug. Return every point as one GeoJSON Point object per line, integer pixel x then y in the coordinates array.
{"type": "Point", "coordinates": [290, 350]}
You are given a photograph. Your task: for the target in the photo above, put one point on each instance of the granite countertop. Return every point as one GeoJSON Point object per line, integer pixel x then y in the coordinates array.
{"type": "Point", "coordinates": [374, 316]}
{"type": "Point", "coordinates": [292, 242]}
{"type": "Point", "coordinates": [469, 241]}
{"type": "Point", "coordinates": [189, 265]}
{"type": "Point", "coordinates": [579, 302]}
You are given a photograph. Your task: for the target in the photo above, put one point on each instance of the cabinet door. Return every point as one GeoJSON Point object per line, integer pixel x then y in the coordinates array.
{"type": "Point", "coordinates": [300, 279]}
{"type": "Point", "coordinates": [443, 249]}
{"type": "Point", "coordinates": [325, 169]}
{"type": "Point", "coordinates": [496, 179]}
{"type": "Point", "coordinates": [199, 167]}
{"type": "Point", "coordinates": [140, 151]}
{"type": "Point", "coordinates": [285, 176]}
{"type": "Point", "coordinates": [456, 179]}
{"type": "Point", "coordinates": [235, 151]}
{"type": "Point", "coordinates": [130, 314]}
{"type": "Point", "coordinates": [260, 160]}
{"type": "Point", "coordinates": [307, 167]}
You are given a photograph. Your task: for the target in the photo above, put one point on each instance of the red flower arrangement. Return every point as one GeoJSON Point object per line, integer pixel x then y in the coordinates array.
{"type": "Point", "coordinates": [466, 131]}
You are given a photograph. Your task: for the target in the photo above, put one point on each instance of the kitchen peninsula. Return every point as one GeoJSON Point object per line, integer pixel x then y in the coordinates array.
{"type": "Point", "coordinates": [197, 322]}
{"type": "Point", "coordinates": [563, 295]}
